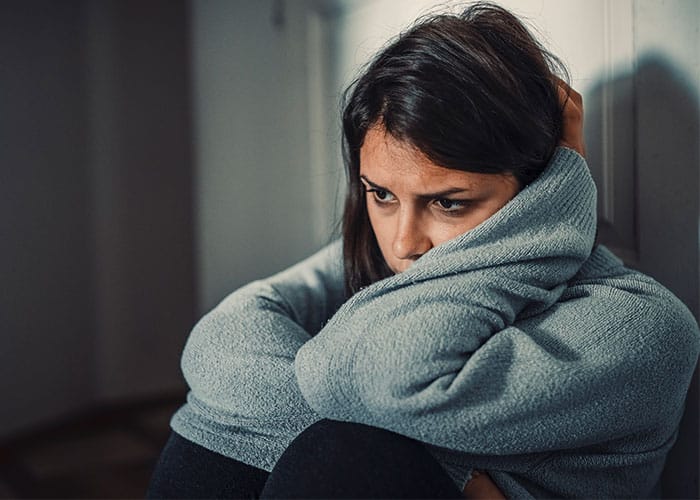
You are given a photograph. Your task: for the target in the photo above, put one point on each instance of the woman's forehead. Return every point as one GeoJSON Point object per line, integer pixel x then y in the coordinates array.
{"type": "Point", "coordinates": [391, 163]}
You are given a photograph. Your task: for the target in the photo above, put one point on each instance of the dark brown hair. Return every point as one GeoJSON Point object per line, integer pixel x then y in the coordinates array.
{"type": "Point", "coordinates": [473, 92]}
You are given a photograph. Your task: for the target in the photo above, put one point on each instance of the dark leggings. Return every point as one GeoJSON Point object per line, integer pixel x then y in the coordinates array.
{"type": "Point", "coordinates": [328, 460]}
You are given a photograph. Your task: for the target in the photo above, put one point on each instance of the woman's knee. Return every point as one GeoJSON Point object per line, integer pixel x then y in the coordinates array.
{"type": "Point", "coordinates": [187, 470]}
{"type": "Point", "coordinates": [332, 436]}
{"type": "Point", "coordinates": [332, 459]}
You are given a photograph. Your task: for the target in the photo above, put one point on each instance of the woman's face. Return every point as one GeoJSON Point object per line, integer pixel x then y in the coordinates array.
{"type": "Point", "coordinates": [414, 205]}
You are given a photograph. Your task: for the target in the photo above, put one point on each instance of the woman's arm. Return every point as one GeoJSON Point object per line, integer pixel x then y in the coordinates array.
{"type": "Point", "coordinates": [238, 358]}
{"type": "Point", "coordinates": [439, 361]}
{"type": "Point", "coordinates": [436, 353]}
{"type": "Point", "coordinates": [481, 485]}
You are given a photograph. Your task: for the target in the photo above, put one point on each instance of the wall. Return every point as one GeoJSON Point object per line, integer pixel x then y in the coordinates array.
{"type": "Point", "coordinates": [667, 39]}
{"type": "Point", "coordinates": [254, 182]}
{"type": "Point", "coordinates": [95, 205]}
{"type": "Point", "coordinates": [113, 243]}
{"type": "Point", "coordinates": [46, 294]}
{"type": "Point", "coordinates": [141, 193]}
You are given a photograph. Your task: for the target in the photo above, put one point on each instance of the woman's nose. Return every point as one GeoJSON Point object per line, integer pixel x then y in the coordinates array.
{"type": "Point", "coordinates": [411, 239]}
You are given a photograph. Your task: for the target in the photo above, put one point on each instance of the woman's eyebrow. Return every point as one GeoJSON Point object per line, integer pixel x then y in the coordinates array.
{"type": "Point", "coordinates": [427, 196]}
{"type": "Point", "coordinates": [375, 186]}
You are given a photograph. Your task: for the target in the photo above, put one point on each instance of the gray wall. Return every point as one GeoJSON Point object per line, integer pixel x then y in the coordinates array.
{"type": "Point", "coordinates": [113, 242]}
{"type": "Point", "coordinates": [667, 36]}
{"type": "Point", "coordinates": [250, 103]}
{"type": "Point", "coordinates": [96, 258]}
{"type": "Point", "coordinates": [140, 162]}
{"type": "Point", "coordinates": [46, 295]}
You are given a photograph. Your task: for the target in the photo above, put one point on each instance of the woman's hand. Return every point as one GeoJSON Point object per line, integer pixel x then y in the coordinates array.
{"type": "Point", "coordinates": [572, 133]}
{"type": "Point", "coordinates": [481, 486]}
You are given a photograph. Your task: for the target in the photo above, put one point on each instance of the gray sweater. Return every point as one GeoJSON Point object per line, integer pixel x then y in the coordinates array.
{"type": "Point", "coordinates": [514, 348]}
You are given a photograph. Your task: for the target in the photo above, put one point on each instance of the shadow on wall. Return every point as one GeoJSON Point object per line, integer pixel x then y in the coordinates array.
{"type": "Point", "coordinates": [643, 147]}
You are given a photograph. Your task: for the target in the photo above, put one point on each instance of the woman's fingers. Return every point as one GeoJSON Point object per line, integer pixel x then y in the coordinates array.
{"type": "Point", "coordinates": [572, 130]}
{"type": "Point", "coordinates": [482, 486]}
{"type": "Point", "coordinates": [565, 90]}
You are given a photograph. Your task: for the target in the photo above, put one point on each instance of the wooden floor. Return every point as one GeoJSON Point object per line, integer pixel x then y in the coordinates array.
{"type": "Point", "coordinates": [105, 453]}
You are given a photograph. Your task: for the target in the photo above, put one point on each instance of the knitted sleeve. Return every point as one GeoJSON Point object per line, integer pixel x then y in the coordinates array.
{"type": "Point", "coordinates": [444, 351]}
{"type": "Point", "coordinates": [239, 357]}
{"type": "Point", "coordinates": [612, 358]}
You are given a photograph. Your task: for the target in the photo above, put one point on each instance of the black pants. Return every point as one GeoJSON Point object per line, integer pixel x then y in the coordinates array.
{"type": "Point", "coordinates": [328, 460]}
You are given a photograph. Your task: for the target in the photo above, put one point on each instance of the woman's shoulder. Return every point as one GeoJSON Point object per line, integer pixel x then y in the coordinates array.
{"type": "Point", "coordinates": [646, 309]}
{"type": "Point", "coordinates": [604, 273]}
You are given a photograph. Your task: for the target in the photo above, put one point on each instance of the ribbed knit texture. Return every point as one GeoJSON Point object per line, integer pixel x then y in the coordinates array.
{"type": "Point", "coordinates": [511, 348]}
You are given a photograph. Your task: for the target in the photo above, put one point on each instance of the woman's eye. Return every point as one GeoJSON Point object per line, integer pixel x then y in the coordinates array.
{"type": "Point", "coordinates": [451, 205]}
{"type": "Point", "coordinates": [381, 196]}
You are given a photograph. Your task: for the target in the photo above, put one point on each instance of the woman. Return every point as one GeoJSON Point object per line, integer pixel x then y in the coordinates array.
{"type": "Point", "coordinates": [465, 337]}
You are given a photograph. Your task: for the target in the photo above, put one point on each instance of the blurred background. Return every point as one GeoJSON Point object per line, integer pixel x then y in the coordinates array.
{"type": "Point", "coordinates": [155, 155]}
